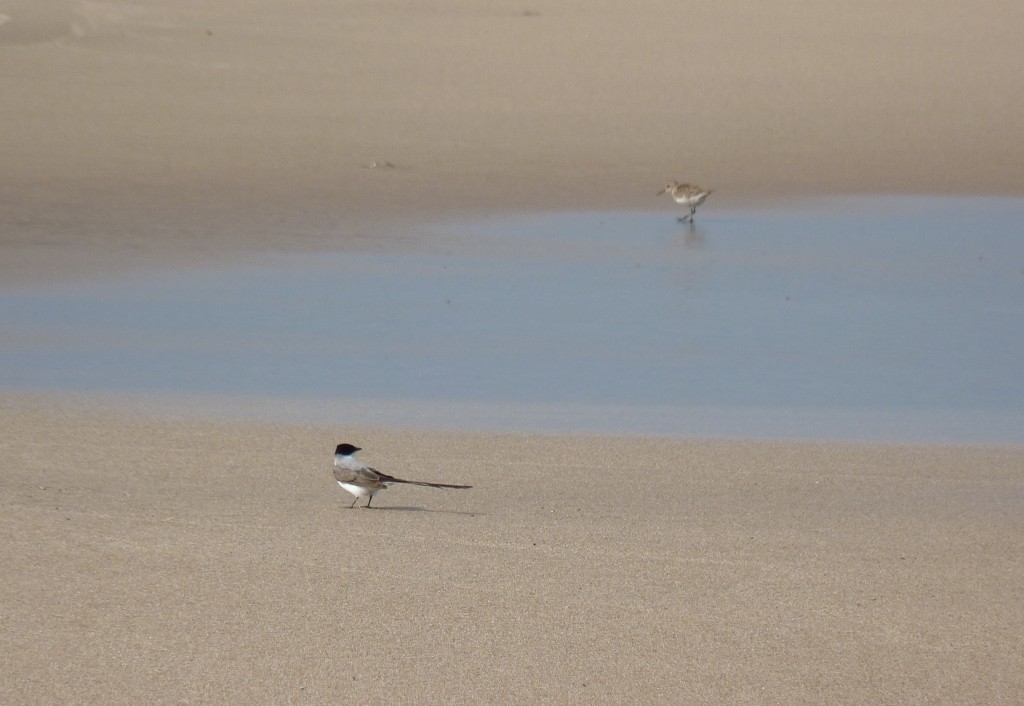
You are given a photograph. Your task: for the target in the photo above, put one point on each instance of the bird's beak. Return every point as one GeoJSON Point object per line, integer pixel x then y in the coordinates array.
{"type": "Point", "coordinates": [661, 192]}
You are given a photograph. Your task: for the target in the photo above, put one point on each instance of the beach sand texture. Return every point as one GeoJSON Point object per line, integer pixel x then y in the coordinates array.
{"type": "Point", "coordinates": [183, 561]}
{"type": "Point", "coordinates": [147, 559]}
{"type": "Point", "coordinates": [147, 132]}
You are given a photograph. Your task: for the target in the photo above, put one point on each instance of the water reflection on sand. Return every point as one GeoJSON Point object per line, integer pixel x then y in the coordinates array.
{"type": "Point", "coordinates": [847, 318]}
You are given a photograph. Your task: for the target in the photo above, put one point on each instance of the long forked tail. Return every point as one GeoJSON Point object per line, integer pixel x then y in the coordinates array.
{"type": "Point", "coordinates": [430, 485]}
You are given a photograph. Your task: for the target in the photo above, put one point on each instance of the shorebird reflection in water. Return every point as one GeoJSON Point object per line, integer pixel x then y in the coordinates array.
{"type": "Point", "coordinates": [689, 195]}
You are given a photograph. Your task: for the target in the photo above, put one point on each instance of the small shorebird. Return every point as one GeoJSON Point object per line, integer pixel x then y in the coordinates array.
{"type": "Point", "coordinates": [688, 195]}
{"type": "Point", "coordinates": [359, 479]}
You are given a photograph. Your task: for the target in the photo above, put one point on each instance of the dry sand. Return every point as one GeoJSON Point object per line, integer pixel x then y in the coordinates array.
{"type": "Point", "coordinates": [142, 132]}
{"type": "Point", "coordinates": [159, 561]}
{"type": "Point", "coordinates": [148, 560]}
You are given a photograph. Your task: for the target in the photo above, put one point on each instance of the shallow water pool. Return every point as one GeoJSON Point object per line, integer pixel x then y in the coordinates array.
{"type": "Point", "coordinates": [851, 318]}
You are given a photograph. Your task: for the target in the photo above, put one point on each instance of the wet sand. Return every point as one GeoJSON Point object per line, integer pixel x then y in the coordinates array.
{"type": "Point", "coordinates": [875, 319]}
{"type": "Point", "coordinates": [165, 560]}
{"type": "Point", "coordinates": [156, 559]}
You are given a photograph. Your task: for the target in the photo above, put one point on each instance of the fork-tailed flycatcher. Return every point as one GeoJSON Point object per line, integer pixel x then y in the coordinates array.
{"type": "Point", "coordinates": [361, 480]}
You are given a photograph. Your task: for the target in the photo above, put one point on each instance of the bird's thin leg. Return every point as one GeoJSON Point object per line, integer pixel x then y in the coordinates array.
{"type": "Point", "coordinates": [354, 503]}
{"type": "Point", "coordinates": [368, 500]}
{"type": "Point", "coordinates": [693, 212]}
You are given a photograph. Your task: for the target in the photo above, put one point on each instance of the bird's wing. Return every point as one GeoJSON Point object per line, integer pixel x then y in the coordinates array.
{"type": "Point", "coordinates": [367, 477]}
{"type": "Point", "coordinates": [363, 477]}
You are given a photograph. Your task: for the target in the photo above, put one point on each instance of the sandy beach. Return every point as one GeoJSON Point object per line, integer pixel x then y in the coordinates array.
{"type": "Point", "coordinates": [182, 561]}
{"type": "Point", "coordinates": [141, 133]}
{"type": "Point", "coordinates": [152, 556]}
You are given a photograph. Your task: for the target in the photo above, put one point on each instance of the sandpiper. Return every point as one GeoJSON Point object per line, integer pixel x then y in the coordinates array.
{"type": "Point", "coordinates": [688, 195]}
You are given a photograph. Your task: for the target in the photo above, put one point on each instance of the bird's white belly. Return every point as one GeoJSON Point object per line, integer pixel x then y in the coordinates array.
{"type": "Point", "coordinates": [357, 490]}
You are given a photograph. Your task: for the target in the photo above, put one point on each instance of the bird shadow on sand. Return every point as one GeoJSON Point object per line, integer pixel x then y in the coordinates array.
{"type": "Point", "coordinates": [414, 508]}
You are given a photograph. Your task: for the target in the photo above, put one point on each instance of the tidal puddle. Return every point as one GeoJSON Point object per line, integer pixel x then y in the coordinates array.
{"type": "Point", "coordinates": [857, 318]}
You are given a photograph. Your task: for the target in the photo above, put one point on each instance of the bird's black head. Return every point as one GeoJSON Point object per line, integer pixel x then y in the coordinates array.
{"type": "Point", "coordinates": [346, 450]}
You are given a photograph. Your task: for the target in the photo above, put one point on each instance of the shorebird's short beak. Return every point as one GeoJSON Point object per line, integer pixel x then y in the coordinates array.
{"type": "Point", "coordinates": [661, 192]}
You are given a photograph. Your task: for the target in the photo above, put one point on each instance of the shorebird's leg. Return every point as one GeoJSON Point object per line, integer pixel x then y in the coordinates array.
{"type": "Point", "coordinates": [354, 503]}
{"type": "Point", "coordinates": [369, 499]}
{"type": "Point", "coordinates": [693, 212]}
